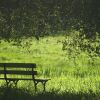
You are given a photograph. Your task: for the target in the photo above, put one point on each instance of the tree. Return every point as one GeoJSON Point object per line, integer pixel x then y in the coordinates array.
{"type": "Point", "coordinates": [37, 18]}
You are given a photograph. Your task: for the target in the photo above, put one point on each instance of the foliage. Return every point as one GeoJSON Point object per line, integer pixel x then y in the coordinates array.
{"type": "Point", "coordinates": [75, 44]}
{"type": "Point", "coordinates": [37, 18]}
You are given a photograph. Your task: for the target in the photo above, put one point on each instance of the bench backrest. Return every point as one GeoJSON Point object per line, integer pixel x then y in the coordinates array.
{"type": "Point", "coordinates": [17, 69]}
{"type": "Point", "coordinates": [18, 65]}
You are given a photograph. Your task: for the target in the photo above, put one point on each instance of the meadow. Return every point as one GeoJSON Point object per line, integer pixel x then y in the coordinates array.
{"type": "Point", "coordinates": [69, 81]}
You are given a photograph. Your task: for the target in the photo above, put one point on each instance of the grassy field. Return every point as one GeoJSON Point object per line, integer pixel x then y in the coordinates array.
{"type": "Point", "coordinates": [69, 81]}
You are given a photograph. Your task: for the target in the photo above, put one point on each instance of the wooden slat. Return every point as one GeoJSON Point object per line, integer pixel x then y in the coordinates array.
{"type": "Point", "coordinates": [16, 79]}
{"type": "Point", "coordinates": [18, 65]}
{"type": "Point", "coordinates": [18, 72]}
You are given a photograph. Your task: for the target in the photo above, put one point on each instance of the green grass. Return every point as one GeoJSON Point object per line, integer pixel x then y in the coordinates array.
{"type": "Point", "coordinates": [69, 81]}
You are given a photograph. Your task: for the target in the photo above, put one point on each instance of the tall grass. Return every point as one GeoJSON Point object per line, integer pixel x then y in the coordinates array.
{"type": "Point", "coordinates": [52, 62]}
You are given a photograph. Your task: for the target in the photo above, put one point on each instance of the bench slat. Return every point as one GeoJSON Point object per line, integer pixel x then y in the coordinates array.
{"type": "Point", "coordinates": [18, 65]}
{"type": "Point", "coordinates": [18, 72]}
{"type": "Point", "coordinates": [17, 79]}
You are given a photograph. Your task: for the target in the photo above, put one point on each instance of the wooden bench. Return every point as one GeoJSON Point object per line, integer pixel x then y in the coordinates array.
{"type": "Point", "coordinates": [13, 72]}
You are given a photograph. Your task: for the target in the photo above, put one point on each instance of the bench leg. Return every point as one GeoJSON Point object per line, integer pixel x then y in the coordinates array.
{"type": "Point", "coordinates": [35, 85]}
{"type": "Point", "coordinates": [44, 83]}
{"type": "Point", "coordinates": [8, 82]}
{"type": "Point", "coordinates": [15, 82]}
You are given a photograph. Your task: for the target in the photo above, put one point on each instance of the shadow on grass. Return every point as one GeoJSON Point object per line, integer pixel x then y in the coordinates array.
{"type": "Point", "coordinates": [23, 94]}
